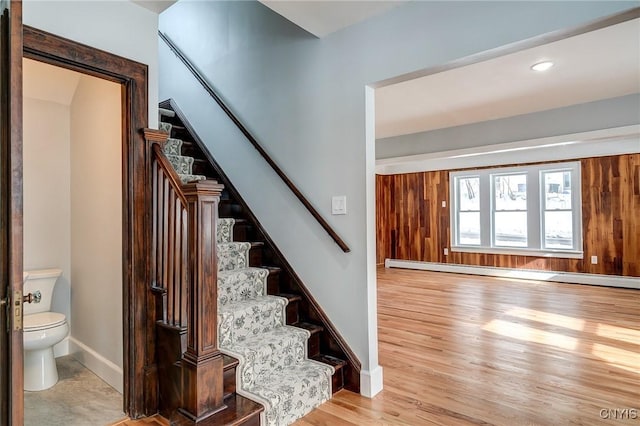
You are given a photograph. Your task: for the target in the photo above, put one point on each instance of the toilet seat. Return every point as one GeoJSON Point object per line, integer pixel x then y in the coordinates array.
{"type": "Point", "coordinates": [43, 321]}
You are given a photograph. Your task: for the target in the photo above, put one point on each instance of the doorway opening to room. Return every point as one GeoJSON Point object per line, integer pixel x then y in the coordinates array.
{"type": "Point", "coordinates": [116, 217]}
{"type": "Point", "coordinates": [72, 189]}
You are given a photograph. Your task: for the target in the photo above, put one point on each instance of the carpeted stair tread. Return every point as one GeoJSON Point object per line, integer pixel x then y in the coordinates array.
{"type": "Point", "coordinates": [291, 297]}
{"type": "Point", "coordinates": [274, 338]}
{"type": "Point", "coordinates": [163, 112]}
{"type": "Point", "coordinates": [241, 284]}
{"type": "Point", "coordinates": [336, 363]}
{"type": "Point", "coordinates": [184, 178]}
{"type": "Point", "coordinates": [292, 393]}
{"type": "Point", "coordinates": [269, 353]}
{"type": "Point", "coordinates": [311, 328]}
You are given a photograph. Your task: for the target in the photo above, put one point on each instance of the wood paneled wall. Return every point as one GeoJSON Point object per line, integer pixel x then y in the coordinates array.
{"type": "Point", "coordinates": [413, 225]}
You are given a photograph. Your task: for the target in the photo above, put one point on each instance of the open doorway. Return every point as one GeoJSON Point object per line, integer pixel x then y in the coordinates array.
{"type": "Point", "coordinates": [139, 377]}
{"type": "Point", "coordinates": [73, 223]}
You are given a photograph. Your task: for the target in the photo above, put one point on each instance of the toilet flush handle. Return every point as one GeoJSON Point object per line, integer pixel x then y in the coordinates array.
{"type": "Point", "coordinates": [34, 297]}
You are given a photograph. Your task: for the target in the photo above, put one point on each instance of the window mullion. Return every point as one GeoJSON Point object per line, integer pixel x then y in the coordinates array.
{"type": "Point", "coordinates": [576, 206]}
{"type": "Point", "coordinates": [486, 210]}
{"type": "Point", "coordinates": [534, 204]}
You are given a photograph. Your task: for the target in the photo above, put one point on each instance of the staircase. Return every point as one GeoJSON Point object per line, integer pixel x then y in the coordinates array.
{"type": "Point", "coordinates": [280, 349]}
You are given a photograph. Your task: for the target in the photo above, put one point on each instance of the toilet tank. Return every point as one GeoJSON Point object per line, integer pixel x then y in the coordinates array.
{"type": "Point", "coordinates": [43, 280]}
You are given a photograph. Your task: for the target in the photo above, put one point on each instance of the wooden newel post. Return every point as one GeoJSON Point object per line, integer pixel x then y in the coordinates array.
{"type": "Point", "coordinates": [202, 363]}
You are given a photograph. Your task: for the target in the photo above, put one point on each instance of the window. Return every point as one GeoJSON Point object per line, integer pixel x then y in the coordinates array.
{"type": "Point", "coordinates": [532, 210]}
{"type": "Point", "coordinates": [469, 211]}
{"type": "Point", "coordinates": [509, 209]}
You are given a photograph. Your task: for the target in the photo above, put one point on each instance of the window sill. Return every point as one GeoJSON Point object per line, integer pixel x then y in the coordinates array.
{"type": "Point", "coordinates": [515, 251]}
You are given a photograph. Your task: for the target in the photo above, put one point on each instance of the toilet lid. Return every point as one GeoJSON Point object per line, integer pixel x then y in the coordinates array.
{"type": "Point", "coordinates": [42, 320]}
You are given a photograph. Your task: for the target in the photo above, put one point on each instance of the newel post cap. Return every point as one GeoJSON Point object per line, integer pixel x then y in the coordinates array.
{"type": "Point", "coordinates": [210, 188]}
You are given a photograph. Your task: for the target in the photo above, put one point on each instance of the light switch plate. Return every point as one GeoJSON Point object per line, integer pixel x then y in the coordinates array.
{"type": "Point", "coordinates": [339, 204]}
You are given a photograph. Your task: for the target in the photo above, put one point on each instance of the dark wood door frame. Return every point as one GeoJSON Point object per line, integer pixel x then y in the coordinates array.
{"type": "Point", "coordinates": [11, 338]}
{"type": "Point", "coordinates": [139, 371]}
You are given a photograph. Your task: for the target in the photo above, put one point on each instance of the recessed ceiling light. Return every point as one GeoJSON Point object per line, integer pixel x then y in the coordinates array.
{"type": "Point", "coordinates": [542, 66]}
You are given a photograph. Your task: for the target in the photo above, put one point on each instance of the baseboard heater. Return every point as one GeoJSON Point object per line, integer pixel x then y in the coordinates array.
{"type": "Point", "coordinates": [526, 274]}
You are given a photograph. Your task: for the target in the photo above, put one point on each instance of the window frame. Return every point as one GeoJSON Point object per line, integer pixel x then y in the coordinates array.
{"type": "Point", "coordinates": [536, 208]}
{"type": "Point", "coordinates": [479, 211]}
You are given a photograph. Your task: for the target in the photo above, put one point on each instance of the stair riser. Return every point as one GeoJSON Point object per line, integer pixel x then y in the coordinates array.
{"type": "Point", "coordinates": [273, 284]}
{"type": "Point", "coordinates": [240, 285]}
{"type": "Point", "coordinates": [240, 322]}
{"type": "Point", "coordinates": [181, 164]}
{"type": "Point", "coordinates": [292, 313]}
{"type": "Point", "coordinates": [224, 230]}
{"type": "Point", "coordinates": [295, 394]}
{"type": "Point", "coordinates": [229, 380]}
{"type": "Point", "coordinates": [261, 364]}
{"type": "Point", "coordinates": [233, 256]}
{"type": "Point", "coordinates": [241, 232]}
{"type": "Point", "coordinates": [313, 345]}
{"type": "Point", "coordinates": [255, 257]}
{"type": "Point", "coordinates": [173, 147]}
{"type": "Point", "coordinates": [229, 209]}
{"type": "Point", "coordinates": [337, 381]}
{"type": "Point", "coordinates": [238, 255]}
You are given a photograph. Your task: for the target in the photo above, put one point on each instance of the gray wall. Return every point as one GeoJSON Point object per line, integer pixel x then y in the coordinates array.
{"type": "Point", "coordinates": [305, 100]}
{"type": "Point", "coordinates": [603, 114]}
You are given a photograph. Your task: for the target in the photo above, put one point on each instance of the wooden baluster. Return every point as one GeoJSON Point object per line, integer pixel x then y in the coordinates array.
{"type": "Point", "coordinates": [184, 277]}
{"type": "Point", "coordinates": [202, 362]}
{"type": "Point", "coordinates": [177, 261]}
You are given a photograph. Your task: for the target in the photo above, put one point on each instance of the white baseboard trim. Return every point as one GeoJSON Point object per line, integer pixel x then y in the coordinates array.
{"type": "Point", "coordinates": [102, 367]}
{"type": "Point", "coordinates": [527, 274]}
{"type": "Point", "coordinates": [371, 382]}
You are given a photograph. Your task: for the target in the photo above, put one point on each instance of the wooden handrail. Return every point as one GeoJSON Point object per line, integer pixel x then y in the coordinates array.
{"type": "Point", "coordinates": [162, 159]}
{"type": "Point", "coordinates": [205, 84]}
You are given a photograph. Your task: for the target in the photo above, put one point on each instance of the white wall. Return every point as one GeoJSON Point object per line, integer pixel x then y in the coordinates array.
{"type": "Point", "coordinates": [119, 27]}
{"type": "Point", "coordinates": [304, 98]}
{"type": "Point", "coordinates": [46, 173]}
{"type": "Point", "coordinates": [96, 228]}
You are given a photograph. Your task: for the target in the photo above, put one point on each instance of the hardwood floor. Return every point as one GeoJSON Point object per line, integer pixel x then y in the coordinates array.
{"type": "Point", "coordinates": [466, 350]}
{"type": "Point", "coordinates": [469, 350]}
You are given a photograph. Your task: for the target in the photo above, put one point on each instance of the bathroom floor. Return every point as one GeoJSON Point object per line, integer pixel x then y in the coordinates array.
{"type": "Point", "coordinates": [80, 398]}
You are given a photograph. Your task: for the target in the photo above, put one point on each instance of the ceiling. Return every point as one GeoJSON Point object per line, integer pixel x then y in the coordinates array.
{"type": "Point", "coordinates": [321, 18]}
{"type": "Point", "coordinates": [157, 6]}
{"type": "Point", "coordinates": [597, 65]}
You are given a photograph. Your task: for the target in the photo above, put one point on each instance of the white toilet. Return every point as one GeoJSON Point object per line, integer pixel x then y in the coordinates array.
{"type": "Point", "coordinates": [42, 329]}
